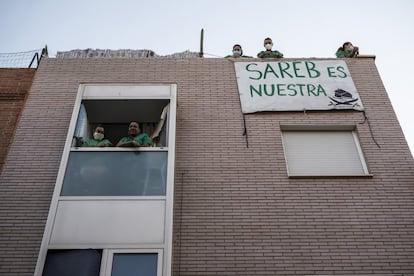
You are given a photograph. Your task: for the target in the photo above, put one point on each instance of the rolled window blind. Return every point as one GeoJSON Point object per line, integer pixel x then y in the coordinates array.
{"type": "Point", "coordinates": [323, 153]}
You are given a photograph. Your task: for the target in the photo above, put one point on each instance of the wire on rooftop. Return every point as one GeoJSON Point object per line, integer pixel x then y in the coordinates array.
{"type": "Point", "coordinates": [28, 59]}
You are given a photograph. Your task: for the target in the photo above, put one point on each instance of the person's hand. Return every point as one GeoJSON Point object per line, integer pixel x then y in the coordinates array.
{"type": "Point", "coordinates": [135, 143]}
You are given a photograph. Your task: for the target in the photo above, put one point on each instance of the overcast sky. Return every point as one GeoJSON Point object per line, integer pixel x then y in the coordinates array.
{"type": "Point", "coordinates": [299, 28]}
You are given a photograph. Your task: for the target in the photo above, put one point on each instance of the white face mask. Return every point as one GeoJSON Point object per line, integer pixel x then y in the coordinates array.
{"type": "Point", "coordinates": [236, 53]}
{"type": "Point", "coordinates": [98, 136]}
{"type": "Point", "coordinates": [350, 48]}
{"type": "Point", "coordinates": [269, 46]}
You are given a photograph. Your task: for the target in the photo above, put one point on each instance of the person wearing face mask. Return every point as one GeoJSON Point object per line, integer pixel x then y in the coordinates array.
{"type": "Point", "coordinates": [237, 52]}
{"type": "Point", "coordinates": [347, 51]}
{"type": "Point", "coordinates": [98, 139]}
{"type": "Point", "coordinates": [268, 44]}
{"type": "Point", "coordinates": [135, 138]}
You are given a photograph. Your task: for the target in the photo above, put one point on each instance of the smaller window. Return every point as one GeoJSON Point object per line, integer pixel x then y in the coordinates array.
{"type": "Point", "coordinates": [85, 262]}
{"type": "Point", "coordinates": [139, 264]}
{"type": "Point", "coordinates": [313, 152]}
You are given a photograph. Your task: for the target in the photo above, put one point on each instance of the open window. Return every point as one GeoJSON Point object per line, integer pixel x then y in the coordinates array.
{"type": "Point", "coordinates": [115, 116]}
{"type": "Point", "coordinates": [116, 171]}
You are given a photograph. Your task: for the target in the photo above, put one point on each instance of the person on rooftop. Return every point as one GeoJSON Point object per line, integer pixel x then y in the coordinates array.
{"type": "Point", "coordinates": [268, 44]}
{"type": "Point", "coordinates": [347, 51]}
{"type": "Point", "coordinates": [237, 52]}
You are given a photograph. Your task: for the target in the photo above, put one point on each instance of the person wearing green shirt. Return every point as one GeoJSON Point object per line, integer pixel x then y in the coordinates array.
{"type": "Point", "coordinates": [98, 139]}
{"type": "Point", "coordinates": [135, 138]}
{"type": "Point", "coordinates": [268, 44]}
{"type": "Point", "coordinates": [347, 51]}
{"type": "Point", "coordinates": [237, 52]}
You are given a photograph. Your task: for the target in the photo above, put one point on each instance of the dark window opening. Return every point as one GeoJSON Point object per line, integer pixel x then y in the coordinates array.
{"type": "Point", "coordinates": [85, 262]}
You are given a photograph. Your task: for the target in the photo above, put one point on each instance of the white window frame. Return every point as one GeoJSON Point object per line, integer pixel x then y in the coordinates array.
{"type": "Point", "coordinates": [326, 128]}
{"type": "Point", "coordinates": [108, 256]}
{"type": "Point", "coordinates": [105, 91]}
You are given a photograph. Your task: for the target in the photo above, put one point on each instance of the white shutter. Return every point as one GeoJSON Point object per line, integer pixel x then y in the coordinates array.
{"type": "Point", "coordinates": [323, 153]}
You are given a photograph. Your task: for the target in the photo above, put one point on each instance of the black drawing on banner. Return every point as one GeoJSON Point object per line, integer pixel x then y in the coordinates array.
{"type": "Point", "coordinates": [342, 97]}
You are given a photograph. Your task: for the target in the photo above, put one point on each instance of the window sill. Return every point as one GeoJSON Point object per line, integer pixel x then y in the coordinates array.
{"type": "Point", "coordinates": [119, 149]}
{"type": "Point", "coordinates": [111, 198]}
{"type": "Point", "coordinates": [331, 176]}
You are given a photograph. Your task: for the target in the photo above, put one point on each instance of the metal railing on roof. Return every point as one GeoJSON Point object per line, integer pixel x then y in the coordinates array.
{"type": "Point", "coordinates": [28, 59]}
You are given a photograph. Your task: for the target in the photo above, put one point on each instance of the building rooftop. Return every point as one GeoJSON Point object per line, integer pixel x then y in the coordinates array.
{"type": "Point", "coordinates": [122, 53]}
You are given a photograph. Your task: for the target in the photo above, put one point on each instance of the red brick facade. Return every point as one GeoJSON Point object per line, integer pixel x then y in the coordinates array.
{"type": "Point", "coordinates": [14, 87]}
{"type": "Point", "coordinates": [236, 212]}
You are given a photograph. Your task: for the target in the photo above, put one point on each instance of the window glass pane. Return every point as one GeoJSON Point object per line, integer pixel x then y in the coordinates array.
{"type": "Point", "coordinates": [72, 262]}
{"type": "Point", "coordinates": [112, 173]}
{"type": "Point", "coordinates": [82, 125]}
{"type": "Point", "coordinates": [134, 264]}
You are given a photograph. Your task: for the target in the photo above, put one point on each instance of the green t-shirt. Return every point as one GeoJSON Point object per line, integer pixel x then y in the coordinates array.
{"type": "Point", "coordinates": [142, 139]}
{"type": "Point", "coordinates": [271, 54]}
{"type": "Point", "coordinates": [90, 142]}
{"type": "Point", "coordinates": [243, 56]}
{"type": "Point", "coordinates": [342, 53]}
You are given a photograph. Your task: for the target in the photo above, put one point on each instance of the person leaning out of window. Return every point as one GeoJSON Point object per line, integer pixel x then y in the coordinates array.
{"type": "Point", "coordinates": [98, 139]}
{"type": "Point", "coordinates": [237, 52]}
{"type": "Point", "coordinates": [347, 51]}
{"type": "Point", "coordinates": [268, 44]}
{"type": "Point", "coordinates": [135, 138]}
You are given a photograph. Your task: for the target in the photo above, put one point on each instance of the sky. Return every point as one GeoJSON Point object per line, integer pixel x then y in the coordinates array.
{"type": "Point", "coordinates": [299, 28]}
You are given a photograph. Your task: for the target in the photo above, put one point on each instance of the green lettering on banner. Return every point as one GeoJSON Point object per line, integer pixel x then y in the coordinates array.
{"type": "Point", "coordinates": [333, 72]}
{"type": "Point", "coordinates": [311, 88]}
{"type": "Point", "coordinates": [291, 87]}
{"type": "Point", "coordinates": [283, 70]}
{"type": "Point", "coordinates": [330, 73]}
{"type": "Point", "coordinates": [300, 88]}
{"type": "Point", "coordinates": [315, 91]}
{"type": "Point", "coordinates": [265, 90]}
{"type": "Point", "coordinates": [296, 69]}
{"type": "Point", "coordinates": [258, 92]}
{"type": "Point", "coordinates": [312, 72]}
{"type": "Point", "coordinates": [251, 70]}
{"type": "Point", "coordinates": [341, 69]}
{"type": "Point", "coordinates": [287, 90]}
{"type": "Point", "coordinates": [321, 90]}
{"type": "Point", "coordinates": [280, 89]}
{"type": "Point", "coordinates": [269, 69]}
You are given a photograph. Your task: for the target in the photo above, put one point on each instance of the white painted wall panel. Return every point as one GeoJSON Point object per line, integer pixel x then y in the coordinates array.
{"type": "Point", "coordinates": [109, 222]}
{"type": "Point", "coordinates": [126, 91]}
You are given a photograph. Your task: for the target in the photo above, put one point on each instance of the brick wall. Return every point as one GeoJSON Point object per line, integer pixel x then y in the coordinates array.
{"type": "Point", "coordinates": [14, 86]}
{"type": "Point", "coordinates": [236, 211]}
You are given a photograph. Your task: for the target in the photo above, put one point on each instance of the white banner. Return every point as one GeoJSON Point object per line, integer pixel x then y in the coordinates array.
{"type": "Point", "coordinates": [296, 86]}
